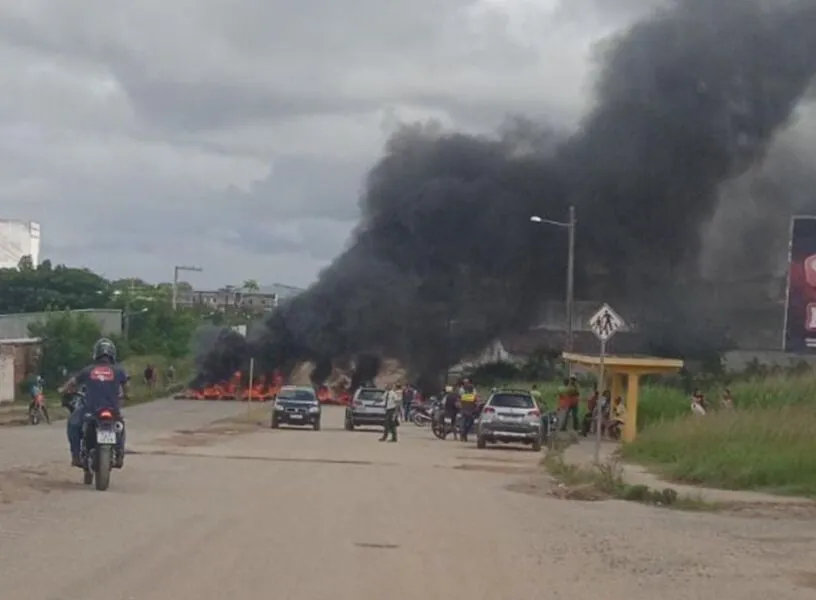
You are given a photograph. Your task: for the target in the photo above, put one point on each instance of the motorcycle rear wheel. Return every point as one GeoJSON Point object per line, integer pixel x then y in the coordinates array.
{"type": "Point", "coordinates": [104, 463]}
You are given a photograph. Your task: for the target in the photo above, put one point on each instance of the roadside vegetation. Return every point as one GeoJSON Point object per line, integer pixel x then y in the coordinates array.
{"type": "Point", "coordinates": [767, 443]}
{"type": "Point", "coordinates": [605, 481]}
{"type": "Point", "coordinates": [153, 333]}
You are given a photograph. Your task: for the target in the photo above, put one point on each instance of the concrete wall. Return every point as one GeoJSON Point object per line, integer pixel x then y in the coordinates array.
{"type": "Point", "coordinates": [7, 383]}
{"type": "Point", "coordinates": [16, 326]}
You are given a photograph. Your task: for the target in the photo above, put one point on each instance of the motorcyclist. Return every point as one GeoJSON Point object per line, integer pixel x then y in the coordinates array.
{"type": "Point", "coordinates": [104, 383]}
{"type": "Point", "coordinates": [452, 403]}
{"type": "Point", "coordinates": [36, 391]}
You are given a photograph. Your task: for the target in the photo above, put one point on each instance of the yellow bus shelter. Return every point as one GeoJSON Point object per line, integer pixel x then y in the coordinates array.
{"type": "Point", "coordinates": [626, 371]}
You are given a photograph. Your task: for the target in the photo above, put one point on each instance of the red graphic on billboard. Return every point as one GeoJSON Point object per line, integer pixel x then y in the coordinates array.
{"type": "Point", "coordinates": [800, 319]}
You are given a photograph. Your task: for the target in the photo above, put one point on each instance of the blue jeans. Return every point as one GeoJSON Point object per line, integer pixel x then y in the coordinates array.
{"type": "Point", "coordinates": [74, 429]}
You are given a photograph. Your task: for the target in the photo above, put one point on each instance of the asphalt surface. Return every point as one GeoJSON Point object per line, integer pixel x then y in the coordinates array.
{"type": "Point", "coordinates": [240, 511]}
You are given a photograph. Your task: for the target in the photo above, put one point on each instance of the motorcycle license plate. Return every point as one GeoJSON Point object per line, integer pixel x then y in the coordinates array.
{"type": "Point", "coordinates": [105, 437]}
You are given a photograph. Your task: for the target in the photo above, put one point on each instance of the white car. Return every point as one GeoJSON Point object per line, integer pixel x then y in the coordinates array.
{"type": "Point", "coordinates": [510, 416]}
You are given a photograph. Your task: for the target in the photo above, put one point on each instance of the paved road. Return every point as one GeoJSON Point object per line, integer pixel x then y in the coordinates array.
{"type": "Point", "coordinates": [307, 515]}
{"type": "Point", "coordinates": [26, 445]}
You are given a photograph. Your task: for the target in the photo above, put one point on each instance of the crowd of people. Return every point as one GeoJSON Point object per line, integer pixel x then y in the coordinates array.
{"type": "Point", "coordinates": [459, 407]}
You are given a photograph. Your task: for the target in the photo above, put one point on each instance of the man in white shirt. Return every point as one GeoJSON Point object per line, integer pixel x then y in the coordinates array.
{"type": "Point", "coordinates": [392, 402]}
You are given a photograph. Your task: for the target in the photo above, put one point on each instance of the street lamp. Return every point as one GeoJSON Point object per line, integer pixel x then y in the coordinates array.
{"type": "Point", "coordinates": [570, 227]}
{"type": "Point", "coordinates": [176, 270]}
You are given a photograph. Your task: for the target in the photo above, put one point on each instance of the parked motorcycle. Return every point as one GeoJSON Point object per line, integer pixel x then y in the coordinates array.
{"type": "Point", "coordinates": [421, 416]}
{"type": "Point", "coordinates": [98, 450]}
{"type": "Point", "coordinates": [549, 422]}
{"type": "Point", "coordinates": [37, 411]}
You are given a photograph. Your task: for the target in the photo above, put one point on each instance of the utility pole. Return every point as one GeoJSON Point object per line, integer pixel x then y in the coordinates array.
{"type": "Point", "coordinates": [570, 305]}
{"type": "Point", "coordinates": [176, 270]}
{"type": "Point", "coordinates": [128, 299]}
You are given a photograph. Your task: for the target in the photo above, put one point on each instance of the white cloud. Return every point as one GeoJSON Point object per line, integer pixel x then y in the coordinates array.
{"type": "Point", "coordinates": [236, 134]}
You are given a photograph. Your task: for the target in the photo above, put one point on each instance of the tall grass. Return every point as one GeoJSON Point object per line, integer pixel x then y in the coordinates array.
{"type": "Point", "coordinates": [769, 448]}
{"type": "Point", "coordinates": [767, 443]}
{"type": "Point", "coordinates": [138, 390]}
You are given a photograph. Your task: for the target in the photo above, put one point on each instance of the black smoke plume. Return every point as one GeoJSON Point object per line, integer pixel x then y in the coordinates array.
{"type": "Point", "coordinates": [321, 371]}
{"type": "Point", "coordinates": [444, 257]}
{"type": "Point", "coordinates": [219, 353]}
{"type": "Point", "coordinates": [366, 367]}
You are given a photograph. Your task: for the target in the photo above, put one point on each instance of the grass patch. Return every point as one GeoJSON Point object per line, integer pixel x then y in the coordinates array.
{"type": "Point", "coordinates": [139, 392]}
{"type": "Point", "coordinates": [605, 481]}
{"type": "Point", "coordinates": [766, 444]}
{"type": "Point", "coordinates": [765, 448]}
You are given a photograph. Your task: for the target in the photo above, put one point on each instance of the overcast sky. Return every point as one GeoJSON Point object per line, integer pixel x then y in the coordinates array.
{"type": "Point", "coordinates": [234, 134]}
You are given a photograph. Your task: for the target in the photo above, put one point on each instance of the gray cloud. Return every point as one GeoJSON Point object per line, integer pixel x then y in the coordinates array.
{"type": "Point", "coordinates": [236, 135]}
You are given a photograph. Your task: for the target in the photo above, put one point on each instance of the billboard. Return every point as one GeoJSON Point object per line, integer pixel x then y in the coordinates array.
{"type": "Point", "coordinates": [800, 311]}
{"type": "Point", "coordinates": [18, 239]}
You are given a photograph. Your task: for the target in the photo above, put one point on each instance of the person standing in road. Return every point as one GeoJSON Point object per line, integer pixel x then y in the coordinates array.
{"type": "Point", "coordinates": [392, 402]}
{"type": "Point", "coordinates": [571, 401]}
{"type": "Point", "coordinates": [149, 374]}
{"type": "Point", "coordinates": [451, 403]}
{"type": "Point", "coordinates": [408, 398]}
{"type": "Point", "coordinates": [467, 402]}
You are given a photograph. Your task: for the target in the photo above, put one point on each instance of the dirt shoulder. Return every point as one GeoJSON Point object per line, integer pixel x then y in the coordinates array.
{"type": "Point", "coordinates": [581, 456]}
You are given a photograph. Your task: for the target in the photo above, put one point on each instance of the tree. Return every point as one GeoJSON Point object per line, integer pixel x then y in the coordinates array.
{"type": "Point", "coordinates": [161, 330]}
{"type": "Point", "coordinates": [25, 264]}
{"type": "Point", "coordinates": [67, 340]}
{"type": "Point", "coordinates": [251, 285]}
{"type": "Point", "coordinates": [154, 328]}
{"type": "Point", "coordinates": [49, 288]}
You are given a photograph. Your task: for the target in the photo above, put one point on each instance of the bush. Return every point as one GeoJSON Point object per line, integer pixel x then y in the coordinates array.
{"type": "Point", "coordinates": [67, 340]}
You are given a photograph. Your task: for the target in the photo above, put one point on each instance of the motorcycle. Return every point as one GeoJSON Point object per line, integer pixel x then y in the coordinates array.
{"type": "Point", "coordinates": [439, 422]}
{"type": "Point", "coordinates": [37, 410]}
{"type": "Point", "coordinates": [420, 416]}
{"type": "Point", "coordinates": [99, 449]}
{"type": "Point", "coordinates": [549, 423]}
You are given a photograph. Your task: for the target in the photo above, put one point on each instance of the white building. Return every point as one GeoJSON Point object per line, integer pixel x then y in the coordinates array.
{"type": "Point", "coordinates": [18, 239]}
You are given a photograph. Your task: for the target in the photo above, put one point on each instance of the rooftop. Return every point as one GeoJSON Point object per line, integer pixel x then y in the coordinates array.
{"type": "Point", "coordinates": [630, 362]}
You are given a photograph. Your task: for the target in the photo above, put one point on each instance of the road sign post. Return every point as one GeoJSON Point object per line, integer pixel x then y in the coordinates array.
{"type": "Point", "coordinates": [604, 324]}
{"type": "Point", "coordinates": [599, 403]}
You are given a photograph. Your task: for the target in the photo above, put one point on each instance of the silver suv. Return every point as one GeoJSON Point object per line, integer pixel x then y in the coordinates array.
{"type": "Point", "coordinates": [510, 416]}
{"type": "Point", "coordinates": [367, 408]}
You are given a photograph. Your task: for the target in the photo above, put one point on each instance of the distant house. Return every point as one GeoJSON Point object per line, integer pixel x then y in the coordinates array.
{"type": "Point", "coordinates": [264, 299]}
{"type": "Point", "coordinates": [18, 360]}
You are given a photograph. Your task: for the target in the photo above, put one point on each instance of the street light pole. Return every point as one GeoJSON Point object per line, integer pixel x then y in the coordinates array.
{"type": "Point", "coordinates": [571, 279]}
{"type": "Point", "coordinates": [570, 291]}
{"type": "Point", "coordinates": [176, 270]}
